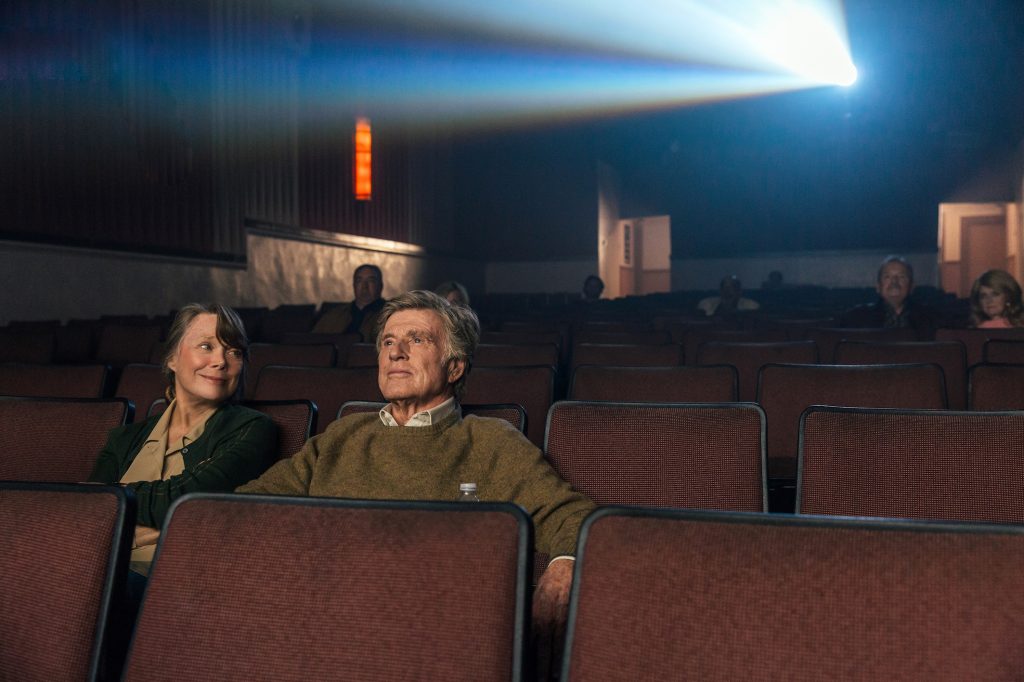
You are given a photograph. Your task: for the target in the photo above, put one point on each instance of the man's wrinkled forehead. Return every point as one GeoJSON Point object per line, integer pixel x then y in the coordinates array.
{"type": "Point", "coordinates": [422, 321]}
{"type": "Point", "coordinates": [411, 332]}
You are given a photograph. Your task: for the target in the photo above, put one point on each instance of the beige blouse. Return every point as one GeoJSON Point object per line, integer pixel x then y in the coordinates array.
{"type": "Point", "coordinates": [158, 460]}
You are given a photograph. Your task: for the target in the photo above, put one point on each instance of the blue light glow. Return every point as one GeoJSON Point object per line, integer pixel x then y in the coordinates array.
{"type": "Point", "coordinates": [472, 63]}
{"type": "Point", "coordinates": [477, 61]}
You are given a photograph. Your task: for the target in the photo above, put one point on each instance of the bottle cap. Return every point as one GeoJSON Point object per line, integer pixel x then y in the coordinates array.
{"type": "Point", "coordinates": [467, 487]}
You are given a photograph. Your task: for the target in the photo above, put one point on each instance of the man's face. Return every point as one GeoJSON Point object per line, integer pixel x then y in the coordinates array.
{"type": "Point", "coordinates": [894, 284]}
{"type": "Point", "coordinates": [367, 286]}
{"type": "Point", "coordinates": [411, 364]}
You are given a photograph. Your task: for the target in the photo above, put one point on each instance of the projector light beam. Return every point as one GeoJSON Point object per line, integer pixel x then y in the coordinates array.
{"type": "Point", "coordinates": [476, 62]}
{"type": "Point", "coordinates": [472, 63]}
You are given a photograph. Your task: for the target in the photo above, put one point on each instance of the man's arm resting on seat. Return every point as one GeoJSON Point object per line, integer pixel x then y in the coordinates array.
{"type": "Point", "coordinates": [290, 476]}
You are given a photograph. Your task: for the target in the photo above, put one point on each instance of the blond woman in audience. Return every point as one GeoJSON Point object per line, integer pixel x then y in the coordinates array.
{"type": "Point", "coordinates": [996, 301]}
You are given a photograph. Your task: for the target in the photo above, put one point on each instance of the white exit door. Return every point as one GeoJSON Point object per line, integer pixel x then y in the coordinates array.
{"type": "Point", "coordinates": [644, 263]}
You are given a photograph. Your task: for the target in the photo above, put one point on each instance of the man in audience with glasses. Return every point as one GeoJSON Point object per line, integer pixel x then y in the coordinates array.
{"type": "Point", "coordinates": [894, 307]}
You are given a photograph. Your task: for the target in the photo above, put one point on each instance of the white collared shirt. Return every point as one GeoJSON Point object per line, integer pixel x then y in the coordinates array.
{"type": "Point", "coordinates": [422, 418]}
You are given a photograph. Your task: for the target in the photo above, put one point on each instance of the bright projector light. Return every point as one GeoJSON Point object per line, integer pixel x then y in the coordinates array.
{"type": "Point", "coordinates": [807, 40]}
{"type": "Point", "coordinates": [478, 61]}
{"type": "Point", "coordinates": [848, 78]}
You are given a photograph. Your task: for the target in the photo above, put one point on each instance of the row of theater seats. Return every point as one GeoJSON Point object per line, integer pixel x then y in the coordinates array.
{"type": "Point", "coordinates": [328, 387]}
{"type": "Point", "coordinates": [744, 373]}
{"type": "Point", "coordinates": [714, 455]}
{"type": "Point", "coordinates": [691, 334]}
{"type": "Point", "coordinates": [783, 390]}
{"type": "Point", "coordinates": [281, 588]}
{"type": "Point", "coordinates": [119, 341]}
{"type": "Point", "coordinates": [701, 346]}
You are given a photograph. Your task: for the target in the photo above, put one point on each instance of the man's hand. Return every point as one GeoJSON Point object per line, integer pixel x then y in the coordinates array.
{"type": "Point", "coordinates": [550, 611]}
{"type": "Point", "coordinates": [551, 598]}
{"type": "Point", "coordinates": [144, 535]}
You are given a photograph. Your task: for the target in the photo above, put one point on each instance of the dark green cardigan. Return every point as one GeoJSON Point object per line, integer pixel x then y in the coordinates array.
{"type": "Point", "coordinates": [238, 444]}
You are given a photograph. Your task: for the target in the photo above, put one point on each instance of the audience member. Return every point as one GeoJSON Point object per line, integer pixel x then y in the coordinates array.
{"type": "Point", "coordinates": [894, 307]}
{"type": "Point", "coordinates": [420, 447]}
{"type": "Point", "coordinates": [360, 315]}
{"type": "Point", "coordinates": [453, 292]}
{"type": "Point", "coordinates": [202, 442]}
{"type": "Point", "coordinates": [774, 281]}
{"type": "Point", "coordinates": [996, 301]}
{"type": "Point", "coordinates": [729, 300]}
{"type": "Point", "coordinates": [593, 287]}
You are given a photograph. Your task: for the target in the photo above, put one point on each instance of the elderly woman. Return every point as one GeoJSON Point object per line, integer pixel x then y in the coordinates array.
{"type": "Point", "coordinates": [202, 442]}
{"type": "Point", "coordinates": [996, 301]}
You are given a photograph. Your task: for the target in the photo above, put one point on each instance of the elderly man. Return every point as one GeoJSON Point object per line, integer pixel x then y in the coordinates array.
{"type": "Point", "coordinates": [359, 316]}
{"type": "Point", "coordinates": [419, 447]}
{"type": "Point", "coordinates": [894, 308]}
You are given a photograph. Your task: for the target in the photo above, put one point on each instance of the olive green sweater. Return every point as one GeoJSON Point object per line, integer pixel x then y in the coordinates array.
{"type": "Point", "coordinates": [360, 457]}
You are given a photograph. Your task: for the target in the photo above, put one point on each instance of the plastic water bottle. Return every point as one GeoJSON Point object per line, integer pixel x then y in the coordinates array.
{"type": "Point", "coordinates": [467, 492]}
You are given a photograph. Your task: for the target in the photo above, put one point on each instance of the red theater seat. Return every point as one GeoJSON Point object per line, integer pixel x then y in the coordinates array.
{"type": "Point", "coordinates": [669, 595]}
{"type": "Point", "coordinates": [271, 588]}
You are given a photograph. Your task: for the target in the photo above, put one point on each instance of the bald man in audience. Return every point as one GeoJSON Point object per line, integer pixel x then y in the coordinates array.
{"type": "Point", "coordinates": [420, 447]}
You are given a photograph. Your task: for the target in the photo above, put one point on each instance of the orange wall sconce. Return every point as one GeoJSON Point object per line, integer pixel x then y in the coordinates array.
{"type": "Point", "coordinates": [363, 174]}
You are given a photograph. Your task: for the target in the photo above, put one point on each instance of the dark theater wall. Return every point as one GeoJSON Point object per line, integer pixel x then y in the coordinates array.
{"type": "Point", "coordinates": [164, 127]}
{"type": "Point", "coordinates": [528, 195]}
{"type": "Point", "coordinates": [412, 187]}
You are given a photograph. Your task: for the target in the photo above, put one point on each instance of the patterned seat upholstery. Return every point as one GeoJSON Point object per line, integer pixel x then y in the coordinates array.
{"type": "Point", "coordinates": [288, 354]}
{"type": "Point", "coordinates": [1004, 351]}
{"type": "Point", "coordinates": [665, 455]}
{"type": "Point", "coordinates": [295, 420]}
{"type": "Point", "coordinates": [63, 381]}
{"type": "Point", "coordinates": [278, 588]}
{"type": "Point", "coordinates": [666, 594]}
{"type": "Point", "coordinates": [681, 384]}
{"type": "Point", "coordinates": [64, 552]}
{"type": "Point", "coordinates": [328, 388]}
{"type": "Point", "coordinates": [55, 439]}
{"type": "Point", "coordinates": [961, 466]}
{"type": "Point", "coordinates": [949, 355]}
{"type": "Point", "coordinates": [143, 384]}
{"type": "Point", "coordinates": [785, 391]}
{"type": "Point", "coordinates": [996, 387]}
{"type": "Point", "coordinates": [531, 387]}
{"type": "Point", "coordinates": [626, 355]}
{"type": "Point", "coordinates": [749, 358]}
